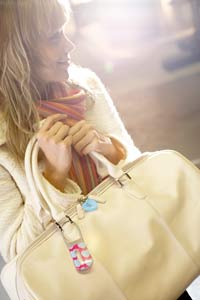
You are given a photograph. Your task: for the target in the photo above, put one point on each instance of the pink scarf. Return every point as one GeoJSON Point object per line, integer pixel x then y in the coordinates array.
{"type": "Point", "coordinates": [60, 100]}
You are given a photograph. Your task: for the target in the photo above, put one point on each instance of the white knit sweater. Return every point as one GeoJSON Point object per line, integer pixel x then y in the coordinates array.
{"type": "Point", "coordinates": [19, 223]}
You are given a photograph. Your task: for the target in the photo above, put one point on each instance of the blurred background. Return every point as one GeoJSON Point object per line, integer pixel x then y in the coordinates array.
{"type": "Point", "coordinates": [147, 52]}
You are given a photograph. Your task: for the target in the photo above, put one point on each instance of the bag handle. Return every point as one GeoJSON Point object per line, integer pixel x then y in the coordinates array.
{"type": "Point", "coordinates": [36, 183]}
{"type": "Point", "coordinates": [38, 200]}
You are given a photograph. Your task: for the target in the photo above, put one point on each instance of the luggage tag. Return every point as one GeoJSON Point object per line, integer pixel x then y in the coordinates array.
{"type": "Point", "coordinates": [76, 245]}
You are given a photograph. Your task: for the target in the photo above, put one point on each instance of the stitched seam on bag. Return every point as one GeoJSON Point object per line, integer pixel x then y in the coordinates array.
{"type": "Point", "coordinates": [169, 228]}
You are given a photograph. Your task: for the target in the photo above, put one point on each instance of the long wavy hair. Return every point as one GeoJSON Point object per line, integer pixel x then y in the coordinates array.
{"type": "Point", "coordinates": [22, 22]}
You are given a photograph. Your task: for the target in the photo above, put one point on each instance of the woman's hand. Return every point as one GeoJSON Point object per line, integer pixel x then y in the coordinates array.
{"type": "Point", "coordinates": [86, 139]}
{"type": "Point", "coordinates": [55, 143]}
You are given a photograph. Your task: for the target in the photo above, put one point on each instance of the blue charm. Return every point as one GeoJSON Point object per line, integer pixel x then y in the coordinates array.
{"type": "Point", "coordinates": [90, 205]}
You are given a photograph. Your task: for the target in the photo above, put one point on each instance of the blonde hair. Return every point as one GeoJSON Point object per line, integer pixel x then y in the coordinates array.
{"type": "Point", "coordinates": [22, 22]}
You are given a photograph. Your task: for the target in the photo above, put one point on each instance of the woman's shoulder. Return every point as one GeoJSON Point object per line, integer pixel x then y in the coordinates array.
{"type": "Point", "coordinates": [85, 77]}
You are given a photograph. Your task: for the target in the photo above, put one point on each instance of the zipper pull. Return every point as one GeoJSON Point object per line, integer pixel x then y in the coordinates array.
{"type": "Point", "coordinates": [80, 211]}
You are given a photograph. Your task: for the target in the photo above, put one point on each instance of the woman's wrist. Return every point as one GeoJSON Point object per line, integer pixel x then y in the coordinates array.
{"type": "Point", "coordinates": [58, 180]}
{"type": "Point", "coordinates": [114, 151]}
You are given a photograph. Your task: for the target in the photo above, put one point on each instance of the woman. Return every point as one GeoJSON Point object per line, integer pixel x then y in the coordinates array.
{"type": "Point", "coordinates": [38, 81]}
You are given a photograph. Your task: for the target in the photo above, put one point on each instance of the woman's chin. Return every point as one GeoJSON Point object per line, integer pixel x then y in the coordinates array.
{"type": "Point", "coordinates": [64, 74]}
{"type": "Point", "coordinates": [61, 76]}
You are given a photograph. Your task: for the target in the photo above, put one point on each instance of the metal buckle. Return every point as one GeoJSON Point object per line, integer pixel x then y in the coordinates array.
{"type": "Point", "coordinates": [119, 180]}
{"type": "Point", "coordinates": [77, 248]}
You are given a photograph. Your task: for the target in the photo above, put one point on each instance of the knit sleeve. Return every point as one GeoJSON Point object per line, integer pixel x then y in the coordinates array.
{"type": "Point", "coordinates": [105, 118]}
{"type": "Point", "coordinates": [19, 225]}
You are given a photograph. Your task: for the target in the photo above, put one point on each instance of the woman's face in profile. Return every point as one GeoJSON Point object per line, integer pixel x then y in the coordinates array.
{"type": "Point", "coordinates": [54, 51]}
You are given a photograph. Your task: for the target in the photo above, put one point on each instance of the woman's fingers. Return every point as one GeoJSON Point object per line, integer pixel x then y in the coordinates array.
{"type": "Point", "coordinates": [84, 138]}
{"type": "Point", "coordinates": [55, 144]}
{"type": "Point", "coordinates": [62, 133]}
{"type": "Point", "coordinates": [54, 129]}
{"type": "Point", "coordinates": [79, 135]}
{"type": "Point", "coordinates": [68, 140]}
{"type": "Point", "coordinates": [91, 137]}
{"type": "Point", "coordinates": [51, 120]}
{"type": "Point", "coordinates": [77, 127]}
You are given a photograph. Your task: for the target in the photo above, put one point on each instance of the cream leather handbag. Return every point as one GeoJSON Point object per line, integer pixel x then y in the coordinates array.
{"type": "Point", "coordinates": [137, 237]}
